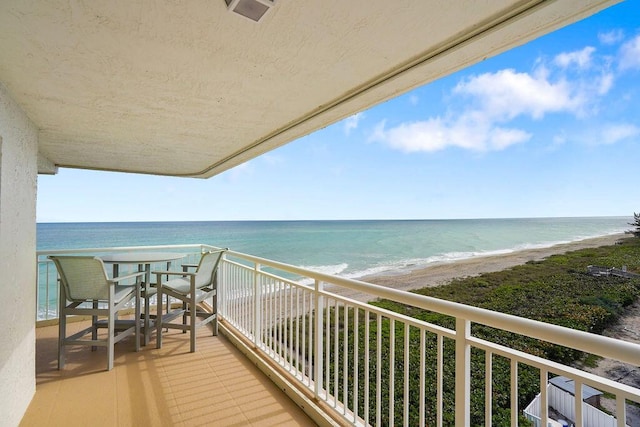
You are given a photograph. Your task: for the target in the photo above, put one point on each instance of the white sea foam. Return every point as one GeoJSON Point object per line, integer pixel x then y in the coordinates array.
{"type": "Point", "coordinates": [408, 265]}
{"type": "Point", "coordinates": [334, 270]}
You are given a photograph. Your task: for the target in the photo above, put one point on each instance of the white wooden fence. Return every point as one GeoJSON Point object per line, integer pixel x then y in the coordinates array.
{"type": "Point", "coordinates": [564, 403]}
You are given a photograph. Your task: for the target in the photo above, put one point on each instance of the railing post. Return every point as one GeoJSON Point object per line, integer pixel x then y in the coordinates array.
{"type": "Point", "coordinates": [317, 337]}
{"type": "Point", "coordinates": [463, 372]}
{"type": "Point", "coordinates": [544, 397]}
{"type": "Point", "coordinates": [257, 298]}
{"type": "Point", "coordinates": [221, 294]}
{"type": "Point", "coordinates": [578, 402]}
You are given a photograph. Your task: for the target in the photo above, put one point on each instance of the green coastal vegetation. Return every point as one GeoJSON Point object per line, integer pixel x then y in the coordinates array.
{"type": "Point", "coordinates": [555, 290]}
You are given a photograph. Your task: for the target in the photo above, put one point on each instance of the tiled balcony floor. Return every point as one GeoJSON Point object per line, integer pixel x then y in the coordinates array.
{"type": "Point", "coordinates": [215, 386]}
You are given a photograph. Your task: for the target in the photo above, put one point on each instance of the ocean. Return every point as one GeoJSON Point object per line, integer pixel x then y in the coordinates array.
{"type": "Point", "coordinates": [346, 248]}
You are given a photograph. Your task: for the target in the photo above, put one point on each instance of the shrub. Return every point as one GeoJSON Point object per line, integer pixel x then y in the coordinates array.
{"type": "Point", "coordinates": [636, 224]}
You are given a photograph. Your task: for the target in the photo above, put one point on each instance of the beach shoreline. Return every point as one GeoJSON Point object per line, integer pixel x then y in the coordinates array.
{"type": "Point", "coordinates": [442, 273]}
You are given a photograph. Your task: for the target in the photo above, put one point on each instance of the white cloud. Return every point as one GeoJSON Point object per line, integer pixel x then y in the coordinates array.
{"type": "Point", "coordinates": [611, 37]}
{"type": "Point", "coordinates": [606, 134]}
{"type": "Point", "coordinates": [272, 159]}
{"type": "Point", "coordinates": [238, 172]}
{"type": "Point", "coordinates": [507, 94]}
{"type": "Point", "coordinates": [560, 138]}
{"type": "Point", "coordinates": [437, 134]}
{"type": "Point", "coordinates": [501, 138]}
{"type": "Point", "coordinates": [630, 54]}
{"type": "Point", "coordinates": [579, 58]}
{"type": "Point", "coordinates": [573, 83]}
{"type": "Point", "coordinates": [414, 100]}
{"type": "Point", "coordinates": [605, 83]}
{"type": "Point", "coordinates": [378, 133]}
{"type": "Point", "coordinates": [352, 122]}
{"type": "Point", "coordinates": [617, 132]}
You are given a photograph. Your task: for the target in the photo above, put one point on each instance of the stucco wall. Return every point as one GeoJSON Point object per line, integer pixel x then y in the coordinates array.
{"type": "Point", "coordinates": [18, 183]}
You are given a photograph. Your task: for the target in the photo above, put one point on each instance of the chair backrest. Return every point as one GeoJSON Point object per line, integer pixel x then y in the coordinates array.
{"type": "Point", "coordinates": [207, 268]}
{"type": "Point", "coordinates": [83, 277]}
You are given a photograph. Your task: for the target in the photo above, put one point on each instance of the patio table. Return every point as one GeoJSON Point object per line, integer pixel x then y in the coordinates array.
{"type": "Point", "coordinates": [144, 261]}
{"type": "Point", "coordinates": [140, 258]}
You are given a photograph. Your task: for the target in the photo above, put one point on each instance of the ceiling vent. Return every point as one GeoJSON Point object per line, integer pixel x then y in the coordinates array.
{"type": "Point", "coordinates": [252, 9]}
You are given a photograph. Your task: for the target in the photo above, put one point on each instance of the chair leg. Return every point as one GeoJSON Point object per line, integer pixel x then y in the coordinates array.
{"type": "Point", "coordinates": [159, 317]}
{"type": "Point", "coordinates": [214, 309]}
{"type": "Point", "coordinates": [147, 315]}
{"type": "Point", "coordinates": [94, 322]}
{"type": "Point", "coordinates": [168, 310]}
{"type": "Point", "coordinates": [110, 338]}
{"type": "Point", "coordinates": [184, 314]}
{"type": "Point", "coordinates": [193, 310]}
{"type": "Point", "coordinates": [137, 319]}
{"type": "Point", "coordinates": [62, 333]}
{"type": "Point", "coordinates": [146, 318]}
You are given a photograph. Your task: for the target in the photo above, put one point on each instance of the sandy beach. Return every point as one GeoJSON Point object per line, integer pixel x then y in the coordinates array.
{"type": "Point", "coordinates": [442, 273]}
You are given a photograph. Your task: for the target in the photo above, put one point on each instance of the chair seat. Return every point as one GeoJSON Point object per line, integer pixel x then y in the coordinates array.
{"type": "Point", "coordinates": [183, 287]}
{"type": "Point", "coordinates": [152, 290]}
{"type": "Point", "coordinates": [121, 292]}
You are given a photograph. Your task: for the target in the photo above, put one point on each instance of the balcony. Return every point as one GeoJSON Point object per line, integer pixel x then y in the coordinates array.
{"type": "Point", "coordinates": [215, 385]}
{"type": "Point", "coordinates": [334, 356]}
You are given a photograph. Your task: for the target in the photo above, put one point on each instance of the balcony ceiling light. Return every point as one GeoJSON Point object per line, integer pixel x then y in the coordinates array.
{"type": "Point", "coordinates": [252, 9]}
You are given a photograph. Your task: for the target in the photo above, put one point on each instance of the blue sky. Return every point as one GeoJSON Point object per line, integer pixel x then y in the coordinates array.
{"type": "Point", "coordinates": [551, 128]}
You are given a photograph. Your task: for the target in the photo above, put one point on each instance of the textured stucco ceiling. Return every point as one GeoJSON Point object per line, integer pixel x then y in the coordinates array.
{"type": "Point", "coordinates": [187, 88]}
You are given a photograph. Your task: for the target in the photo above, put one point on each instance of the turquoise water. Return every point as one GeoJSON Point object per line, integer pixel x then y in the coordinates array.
{"type": "Point", "coordinates": [347, 248]}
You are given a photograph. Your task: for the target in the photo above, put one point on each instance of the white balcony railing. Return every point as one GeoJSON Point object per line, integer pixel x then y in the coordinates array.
{"type": "Point", "coordinates": [346, 353]}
